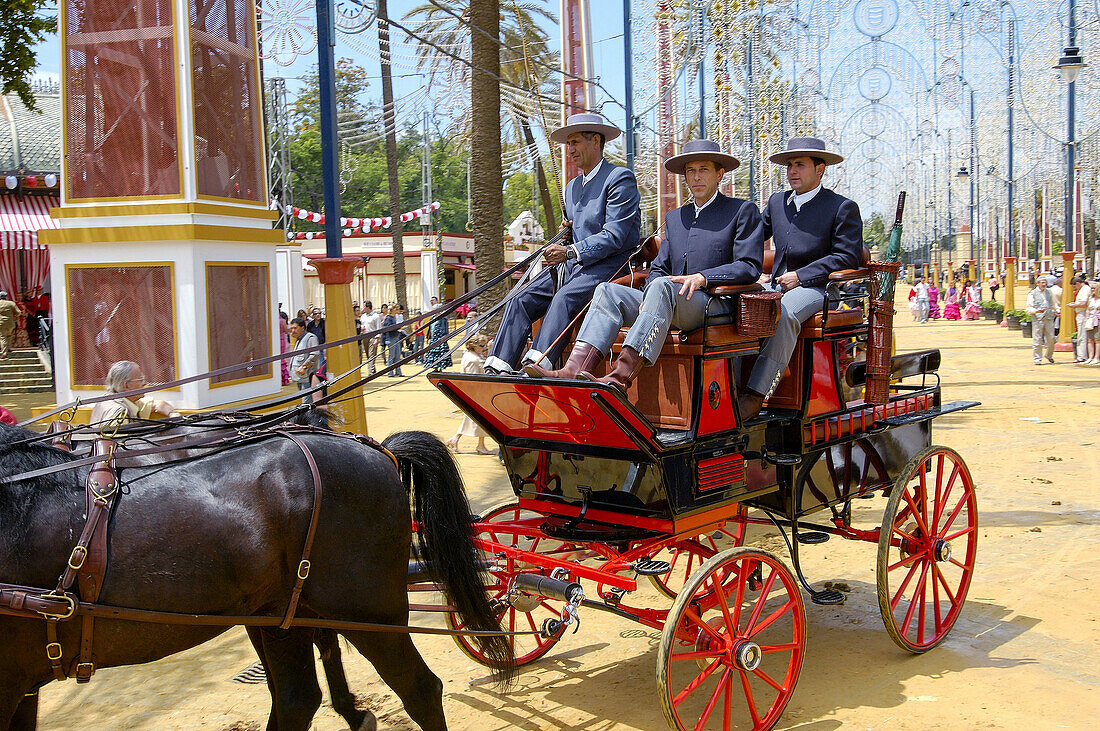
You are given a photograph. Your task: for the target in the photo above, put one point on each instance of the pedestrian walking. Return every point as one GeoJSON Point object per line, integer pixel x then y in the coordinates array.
{"type": "Point", "coordinates": [9, 316]}
{"type": "Point", "coordinates": [1092, 325]}
{"type": "Point", "coordinates": [303, 365]}
{"type": "Point", "coordinates": [473, 361]}
{"type": "Point", "coordinates": [1040, 305]}
{"type": "Point", "coordinates": [370, 321]}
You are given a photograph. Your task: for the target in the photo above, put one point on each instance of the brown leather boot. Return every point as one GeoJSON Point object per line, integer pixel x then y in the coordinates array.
{"type": "Point", "coordinates": [582, 360]}
{"type": "Point", "coordinates": [623, 372]}
{"type": "Point", "coordinates": [749, 404]}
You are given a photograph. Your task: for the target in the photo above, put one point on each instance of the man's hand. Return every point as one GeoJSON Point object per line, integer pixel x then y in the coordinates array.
{"type": "Point", "coordinates": [764, 278]}
{"type": "Point", "coordinates": [566, 223]}
{"type": "Point", "coordinates": [787, 281]}
{"type": "Point", "coordinates": [689, 283]}
{"type": "Point", "coordinates": [554, 254]}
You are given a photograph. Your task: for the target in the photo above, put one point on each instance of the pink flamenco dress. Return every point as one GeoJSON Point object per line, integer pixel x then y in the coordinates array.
{"type": "Point", "coordinates": [951, 305]}
{"type": "Point", "coordinates": [973, 309]}
{"type": "Point", "coordinates": [933, 303]}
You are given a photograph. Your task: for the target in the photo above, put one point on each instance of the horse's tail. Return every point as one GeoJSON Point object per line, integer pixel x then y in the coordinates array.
{"type": "Point", "coordinates": [443, 516]}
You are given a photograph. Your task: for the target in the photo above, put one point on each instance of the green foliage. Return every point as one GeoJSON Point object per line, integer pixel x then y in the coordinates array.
{"type": "Point", "coordinates": [874, 232]}
{"type": "Point", "coordinates": [363, 158]}
{"type": "Point", "coordinates": [1017, 314]}
{"type": "Point", "coordinates": [1025, 316]}
{"type": "Point", "coordinates": [947, 242]}
{"type": "Point", "coordinates": [22, 25]}
{"type": "Point", "coordinates": [517, 195]}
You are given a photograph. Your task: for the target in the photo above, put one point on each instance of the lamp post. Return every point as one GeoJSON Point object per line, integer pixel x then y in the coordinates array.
{"type": "Point", "coordinates": [1069, 65]}
{"type": "Point", "coordinates": [964, 175]}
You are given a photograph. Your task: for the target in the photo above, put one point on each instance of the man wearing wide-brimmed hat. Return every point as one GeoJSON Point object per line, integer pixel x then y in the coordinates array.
{"type": "Point", "coordinates": [713, 240]}
{"type": "Point", "coordinates": [601, 208]}
{"type": "Point", "coordinates": [814, 232]}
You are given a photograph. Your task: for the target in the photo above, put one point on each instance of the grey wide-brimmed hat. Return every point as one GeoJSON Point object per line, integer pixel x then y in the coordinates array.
{"type": "Point", "coordinates": [701, 150]}
{"type": "Point", "coordinates": [809, 146]}
{"type": "Point", "coordinates": [585, 122]}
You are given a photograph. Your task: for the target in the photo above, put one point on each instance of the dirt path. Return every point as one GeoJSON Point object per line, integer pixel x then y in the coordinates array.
{"type": "Point", "coordinates": [1021, 656]}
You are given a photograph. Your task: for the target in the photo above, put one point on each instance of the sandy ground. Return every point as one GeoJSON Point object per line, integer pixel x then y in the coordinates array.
{"type": "Point", "coordinates": [1022, 655]}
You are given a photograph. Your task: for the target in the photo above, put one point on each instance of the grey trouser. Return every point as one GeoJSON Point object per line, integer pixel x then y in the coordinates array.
{"type": "Point", "coordinates": [797, 306]}
{"type": "Point", "coordinates": [1082, 336]}
{"type": "Point", "coordinates": [372, 353]}
{"type": "Point", "coordinates": [649, 313]}
{"type": "Point", "coordinates": [1042, 331]}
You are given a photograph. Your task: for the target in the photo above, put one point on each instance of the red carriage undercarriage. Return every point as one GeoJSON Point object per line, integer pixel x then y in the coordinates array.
{"type": "Point", "coordinates": [659, 482]}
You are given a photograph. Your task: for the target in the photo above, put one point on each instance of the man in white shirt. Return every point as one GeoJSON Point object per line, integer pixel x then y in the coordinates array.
{"type": "Point", "coordinates": [370, 321]}
{"type": "Point", "coordinates": [1040, 305]}
{"type": "Point", "coordinates": [921, 289]}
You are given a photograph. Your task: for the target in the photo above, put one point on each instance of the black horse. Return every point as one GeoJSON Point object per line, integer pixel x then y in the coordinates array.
{"type": "Point", "coordinates": [222, 534]}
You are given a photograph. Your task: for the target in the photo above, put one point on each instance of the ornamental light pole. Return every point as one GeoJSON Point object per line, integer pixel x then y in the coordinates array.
{"type": "Point", "coordinates": [1069, 65]}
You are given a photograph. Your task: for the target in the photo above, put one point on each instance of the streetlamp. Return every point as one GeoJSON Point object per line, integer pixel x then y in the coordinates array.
{"type": "Point", "coordinates": [1069, 66]}
{"type": "Point", "coordinates": [963, 176]}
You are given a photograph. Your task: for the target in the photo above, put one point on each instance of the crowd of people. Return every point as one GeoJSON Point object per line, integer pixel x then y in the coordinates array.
{"type": "Point", "coordinates": [961, 300]}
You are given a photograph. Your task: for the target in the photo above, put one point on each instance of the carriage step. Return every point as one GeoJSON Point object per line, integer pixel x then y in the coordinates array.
{"type": "Point", "coordinates": [827, 596]}
{"type": "Point", "coordinates": [813, 537]}
{"type": "Point", "coordinates": [651, 567]}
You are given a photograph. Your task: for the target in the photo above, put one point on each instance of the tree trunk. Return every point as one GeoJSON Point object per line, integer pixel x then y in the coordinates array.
{"type": "Point", "coordinates": [486, 177]}
{"type": "Point", "coordinates": [544, 190]}
{"type": "Point", "coordinates": [391, 156]}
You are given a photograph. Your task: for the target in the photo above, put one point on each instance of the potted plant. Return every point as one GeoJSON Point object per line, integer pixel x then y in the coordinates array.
{"type": "Point", "coordinates": [998, 311]}
{"type": "Point", "coordinates": [1025, 324]}
{"type": "Point", "coordinates": [1014, 318]}
{"type": "Point", "coordinates": [987, 309]}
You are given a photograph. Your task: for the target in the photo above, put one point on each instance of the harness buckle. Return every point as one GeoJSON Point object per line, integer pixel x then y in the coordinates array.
{"type": "Point", "coordinates": [70, 610]}
{"type": "Point", "coordinates": [303, 569]}
{"type": "Point", "coordinates": [84, 671]}
{"type": "Point", "coordinates": [53, 651]}
{"type": "Point", "coordinates": [76, 560]}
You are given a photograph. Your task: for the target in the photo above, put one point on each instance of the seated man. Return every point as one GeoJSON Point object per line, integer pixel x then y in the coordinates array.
{"type": "Point", "coordinates": [713, 240]}
{"type": "Point", "coordinates": [601, 206]}
{"type": "Point", "coordinates": [125, 376]}
{"type": "Point", "coordinates": [815, 232]}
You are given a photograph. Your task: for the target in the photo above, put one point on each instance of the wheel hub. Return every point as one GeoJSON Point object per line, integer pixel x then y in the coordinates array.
{"type": "Point", "coordinates": [705, 642]}
{"type": "Point", "coordinates": [747, 655]}
{"type": "Point", "coordinates": [942, 550]}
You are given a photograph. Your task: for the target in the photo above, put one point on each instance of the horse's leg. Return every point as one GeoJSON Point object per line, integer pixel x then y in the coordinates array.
{"type": "Point", "coordinates": [26, 714]}
{"type": "Point", "coordinates": [343, 701]}
{"type": "Point", "coordinates": [291, 678]}
{"type": "Point", "coordinates": [257, 640]}
{"type": "Point", "coordinates": [401, 667]}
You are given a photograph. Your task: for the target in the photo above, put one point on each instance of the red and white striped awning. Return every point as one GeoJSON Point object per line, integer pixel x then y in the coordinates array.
{"type": "Point", "coordinates": [21, 218]}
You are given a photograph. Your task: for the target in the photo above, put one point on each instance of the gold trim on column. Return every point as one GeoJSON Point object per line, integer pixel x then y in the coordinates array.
{"type": "Point", "coordinates": [122, 265]}
{"type": "Point", "coordinates": [177, 232]}
{"type": "Point", "coordinates": [124, 209]}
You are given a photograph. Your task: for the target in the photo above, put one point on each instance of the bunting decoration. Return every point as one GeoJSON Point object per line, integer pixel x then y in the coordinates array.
{"type": "Point", "coordinates": [353, 226]}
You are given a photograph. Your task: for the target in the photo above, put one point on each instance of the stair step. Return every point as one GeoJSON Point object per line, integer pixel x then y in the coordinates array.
{"type": "Point", "coordinates": [14, 390]}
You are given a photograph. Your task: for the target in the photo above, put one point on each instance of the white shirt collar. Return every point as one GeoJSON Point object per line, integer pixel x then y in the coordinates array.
{"type": "Point", "coordinates": [592, 174]}
{"type": "Point", "coordinates": [801, 199]}
{"type": "Point", "coordinates": [699, 209]}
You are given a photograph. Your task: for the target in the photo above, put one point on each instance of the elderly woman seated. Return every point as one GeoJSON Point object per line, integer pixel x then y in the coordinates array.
{"type": "Point", "coordinates": [126, 376]}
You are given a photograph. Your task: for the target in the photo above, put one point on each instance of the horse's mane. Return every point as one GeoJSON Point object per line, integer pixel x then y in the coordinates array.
{"type": "Point", "coordinates": [18, 456]}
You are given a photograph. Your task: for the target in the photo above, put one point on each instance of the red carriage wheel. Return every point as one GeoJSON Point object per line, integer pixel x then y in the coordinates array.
{"type": "Point", "coordinates": [730, 654]}
{"type": "Point", "coordinates": [926, 549]}
{"type": "Point", "coordinates": [525, 613]}
{"type": "Point", "coordinates": [688, 554]}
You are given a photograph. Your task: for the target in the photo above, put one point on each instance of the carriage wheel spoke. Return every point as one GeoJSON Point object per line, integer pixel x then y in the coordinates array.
{"type": "Point", "coordinates": [901, 589]}
{"type": "Point", "coordinates": [923, 606]}
{"type": "Point", "coordinates": [915, 513]}
{"type": "Point", "coordinates": [936, 607]}
{"type": "Point", "coordinates": [727, 702]}
{"type": "Point", "coordinates": [923, 482]}
{"type": "Point", "coordinates": [913, 602]}
{"type": "Point", "coordinates": [963, 532]}
{"type": "Point", "coordinates": [767, 679]}
{"type": "Point", "coordinates": [723, 602]}
{"type": "Point", "coordinates": [955, 513]}
{"type": "Point", "coordinates": [696, 655]}
{"type": "Point", "coordinates": [947, 493]}
{"type": "Point", "coordinates": [760, 600]}
{"type": "Point", "coordinates": [723, 682]}
{"type": "Point", "coordinates": [904, 562]}
{"type": "Point", "coordinates": [939, 575]}
{"type": "Point", "coordinates": [695, 683]}
{"type": "Point", "coordinates": [749, 699]}
{"type": "Point", "coordinates": [739, 595]}
{"type": "Point", "coordinates": [789, 606]}
{"type": "Point", "coordinates": [696, 619]}
{"type": "Point", "coordinates": [779, 648]}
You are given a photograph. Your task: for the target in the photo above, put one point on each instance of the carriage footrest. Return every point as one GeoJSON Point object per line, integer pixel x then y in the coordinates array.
{"type": "Point", "coordinates": [813, 537]}
{"type": "Point", "coordinates": [827, 596]}
{"type": "Point", "coordinates": [651, 567]}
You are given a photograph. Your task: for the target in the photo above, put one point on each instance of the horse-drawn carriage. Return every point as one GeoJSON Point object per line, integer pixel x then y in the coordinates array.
{"type": "Point", "coordinates": [611, 487]}
{"type": "Point", "coordinates": [658, 482]}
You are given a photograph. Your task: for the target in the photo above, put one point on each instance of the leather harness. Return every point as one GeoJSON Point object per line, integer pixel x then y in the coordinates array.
{"type": "Point", "coordinates": [87, 563]}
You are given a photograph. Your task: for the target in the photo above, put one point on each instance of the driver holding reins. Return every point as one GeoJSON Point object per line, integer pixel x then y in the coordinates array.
{"type": "Point", "coordinates": [601, 207]}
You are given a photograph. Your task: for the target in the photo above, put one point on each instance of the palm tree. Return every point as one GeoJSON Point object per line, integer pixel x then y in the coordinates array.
{"type": "Point", "coordinates": [486, 179]}
{"type": "Point", "coordinates": [447, 24]}
{"type": "Point", "coordinates": [390, 125]}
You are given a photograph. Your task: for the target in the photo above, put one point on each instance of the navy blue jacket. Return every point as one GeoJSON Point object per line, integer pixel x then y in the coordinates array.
{"type": "Point", "coordinates": [826, 236]}
{"type": "Point", "coordinates": [725, 244]}
{"type": "Point", "coordinates": [606, 220]}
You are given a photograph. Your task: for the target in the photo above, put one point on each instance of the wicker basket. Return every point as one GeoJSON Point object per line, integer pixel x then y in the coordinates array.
{"type": "Point", "coordinates": [876, 389]}
{"type": "Point", "coordinates": [758, 313]}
